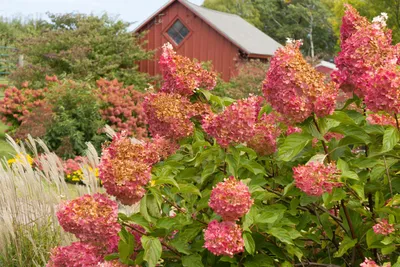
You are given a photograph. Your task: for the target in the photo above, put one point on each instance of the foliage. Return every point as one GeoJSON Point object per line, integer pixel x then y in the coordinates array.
{"type": "Point", "coordinates": [297, 19]}
{"type": "Point", "coordinates": [67, 114]}
{"type": "Point", "coordinates": [77, 119]}
{"type": "Point", "coordinates": [81, 47]}
{"type": "Point", "coordinates": [248, 80]}
{"type": "Point", "coordinates": [223, 199]}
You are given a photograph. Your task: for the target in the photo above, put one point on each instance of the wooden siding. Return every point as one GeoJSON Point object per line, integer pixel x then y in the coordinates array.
{"type": "Point", "coordinates": [203, 42]}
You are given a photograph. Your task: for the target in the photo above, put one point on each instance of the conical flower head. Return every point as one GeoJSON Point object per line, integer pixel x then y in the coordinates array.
{"type": "Point", "coordinates": [362, 53]}
{"type": "Point", "coordinates": [91, 218]}
{"type": "Point", "coordinates": [231, 199]}
{"type": "Point", "coordinates": [78, 254]}
{"type": "Point", "coordinates": [183, 76]}
{"type": "Point", "coordinates": [351, 22]}
{"type": "Point", "coordinates": [168, 115]}
{"type": "Point", "coordinates": [295, 89]}
{"type": "Point", "coordinates": [236, 124]}
{"type": "Point", "coordinates": [224, 238]}
{"type": "Point", "coordinates": [124, 169]}
{"type": "Point", "coordinates": [316, 178]}
{"type": "Point", "coordinates": [266, 133]}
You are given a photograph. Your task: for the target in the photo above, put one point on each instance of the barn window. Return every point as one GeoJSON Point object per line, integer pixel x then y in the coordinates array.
{"type": "Point", "coordinates": [178, 32]}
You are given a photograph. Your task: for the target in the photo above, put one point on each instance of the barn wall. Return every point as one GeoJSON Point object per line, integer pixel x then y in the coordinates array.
{"type": "Point", "coordinates": [204, 43]}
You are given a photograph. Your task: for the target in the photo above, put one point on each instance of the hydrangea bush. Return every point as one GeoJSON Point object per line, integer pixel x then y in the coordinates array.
{"type": "Point", "coordinates": [286, 179]}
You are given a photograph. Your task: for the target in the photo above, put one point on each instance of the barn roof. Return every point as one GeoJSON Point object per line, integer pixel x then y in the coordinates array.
{"type": "Point", "coordinates": [237, 30]}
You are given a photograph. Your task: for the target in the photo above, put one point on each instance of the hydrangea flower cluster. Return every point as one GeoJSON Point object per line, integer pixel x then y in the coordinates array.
{"type": "Point", "coordinates": [383, 92]}
{"type": "Point", "coordinates": [292, 129]}
{"type": "Point", "coordinates": [90, 218]}
{"type": "Point", "coordinates": [169, 115]}
{"type": "Point", "coordinates": [370, 263]}
{"type": "Point", "coordinates": [230, 199]}
{"type": "Point", "coordinates": [266, 132]}
{"type": "Point", "coordinates": [295, 89]}
{"type": "Point", "coordinates": [78, 254]}
{"type": "Point", "coordinates": [122, 107]}
{"type": "Point", "coordinates": [383, 228]}
{"type": "Point", "coordinates": [365, 48]}
{"type": "Point", "coordinates": [381, 119]}
{"type": "Point", "coordinates": [17, 104]}
{"type": "Point", "coordinates": [125, 168]}
{"type": "Point", "coordinates": [316, 178]}
{"type": "Point", "coordinates": [223, 238]}
{"type": "Point", "coordinates": [183, 76]}
{"type": "Point", "coordinates": [236, 124]}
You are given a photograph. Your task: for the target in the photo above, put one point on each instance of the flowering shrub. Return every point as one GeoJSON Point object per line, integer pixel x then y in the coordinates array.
{"type": "Point", "coordinates": [279, 180]}
{"type": "Point", "coordinates": [121, 107]}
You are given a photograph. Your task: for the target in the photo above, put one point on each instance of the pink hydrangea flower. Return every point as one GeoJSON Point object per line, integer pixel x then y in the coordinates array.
{"type": "Point", "coordinates": [91, 218]}
{"type": "Point", "coordinates": [369, 263]}
{"type": "Point", "coordinates": [224, 238]}
{"type": "Point", "coordinates": [231, 199]}
{"type": "Point", "coordinates": [292, 129]}
{"type": "Point", "coordinates": [266, 132]}
{"type": "Point", "coordinates": [124, 169]}
{"type": "Point", "coordinates": [114, 263]}
{"type": "Point", "coordinates": [316, 178]}
{"type": "Point", "coordinates": [169, 115]}
{"type": "Point", "coordinates": [183, 76]}
{"type": "Point", "coordinates": [295, 89]}
{"type": "Point", "coordinates": [383, 228]}
{"type": "Point", "coordinates": [365, 48]}
{"type": "Point", "coordinates": [381, 119]}
{"type": "Point", "coordinates": [78, 254]}
{"type": "Point", "coordinates": [236, 124]}
{"type": "Point", "coordinates": [383, 92]}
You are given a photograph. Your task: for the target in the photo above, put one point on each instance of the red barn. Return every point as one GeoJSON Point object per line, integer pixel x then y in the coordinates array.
{"type": "Point", "coordinates": [205, 34]}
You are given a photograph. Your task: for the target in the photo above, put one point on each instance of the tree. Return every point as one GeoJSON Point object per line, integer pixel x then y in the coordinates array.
{"type": "Point", "coordinates": [369, 9]}
{"type": "Point", "coordinates": [296, 19]}
{"type": "Point", "coordinates": [82, 47]}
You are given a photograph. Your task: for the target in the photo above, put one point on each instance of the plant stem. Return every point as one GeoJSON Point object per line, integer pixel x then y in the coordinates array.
{"type": "Point", "coordinates": [181, 210]}
{"type": "Point", "coordinates": [353, 233]}
{"type": "Point", "coordinates": [388, 176]}
{"type": "Point", "coordinates": [173, 250]}
{"type": "Point", "coordinates": [397, 122]}
{"type": "Point", "coordinates": [328, 157]}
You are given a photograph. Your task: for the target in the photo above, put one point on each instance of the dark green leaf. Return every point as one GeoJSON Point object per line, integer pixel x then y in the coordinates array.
{"type": "Point", "coordinates": [192, 261]}
{"type": "Point", "coordinates": [345, 245]}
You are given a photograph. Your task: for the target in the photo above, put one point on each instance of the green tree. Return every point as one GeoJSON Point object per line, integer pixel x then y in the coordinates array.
{"type": "Point", "coordinates": [281, 19]}
{"type": "Point", "coordinates": [82, 47]}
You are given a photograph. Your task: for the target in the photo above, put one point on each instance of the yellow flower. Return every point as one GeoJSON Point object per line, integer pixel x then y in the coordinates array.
{"type": "Point", "coordinates": [152, 183]}
{"type": "Point", "coordinates": [19, 158]}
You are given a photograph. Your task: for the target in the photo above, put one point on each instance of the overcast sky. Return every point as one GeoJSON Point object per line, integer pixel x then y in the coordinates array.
{"type": "Point", "coordinates": [128, 10]}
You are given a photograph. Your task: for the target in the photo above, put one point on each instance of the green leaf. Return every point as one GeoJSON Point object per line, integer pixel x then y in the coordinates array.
{"type": "Point", "coordinates": [207, 171]}
{"type": "Point", "coordinates": [259, 260]}
{"type": "Point", "coordinates": [318, 158]}
{"type": "Point", "coordinates": [342, 117]}
{"type": "Point", "coordinates": [188, 189]}
{"type": "Point", "coordinates": [350, 175]}
{"type": "Point", "coordinates": [232, 165]}
{"type": "Point", "coordinates": [126, 244]}
{"type": "Point", "coordinates": [293, 145]}
{"type": "Point", "coordinates": [167, 180]}
{"type": "Point", "coordinates": [254, 167]}
{"type": "Point", "coordinates": [390, 139]}
{"type": "Point", "coordinates": [389, 249]}
{"type": "Point", "coordinates": [359, 189]}
{"type": "Point", "coordinates": [143, 209]}
{"type": "Point", "coordinates": [249, 243]}
{"type": "Point", "coordinates": [345, 245]}
{"type": "Point", "coordinates": [192, 261]}
{"type": "Point", "coordinates": [282, 234]}
{"type": "Point", "coordinates": [152, 250]}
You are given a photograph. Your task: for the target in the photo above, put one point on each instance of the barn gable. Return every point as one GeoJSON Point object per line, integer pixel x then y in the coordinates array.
{"type": "Point", "coordinates": [204, 34]}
